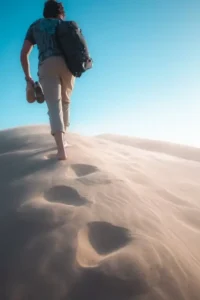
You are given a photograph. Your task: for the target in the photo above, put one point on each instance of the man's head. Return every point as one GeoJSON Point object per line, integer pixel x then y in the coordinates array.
{"type": "Point", "coordinates": [53, 9]}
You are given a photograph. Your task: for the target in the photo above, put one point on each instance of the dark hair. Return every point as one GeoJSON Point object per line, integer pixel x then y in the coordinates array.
{"type": "Point", "coordinates": [53, 9]}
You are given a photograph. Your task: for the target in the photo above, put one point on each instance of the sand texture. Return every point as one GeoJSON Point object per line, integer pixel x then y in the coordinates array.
{"type": "Point", "coordinates": [120, 220]}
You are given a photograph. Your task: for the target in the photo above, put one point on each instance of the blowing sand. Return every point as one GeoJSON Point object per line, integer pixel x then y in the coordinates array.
{"type": "Point", "coordinates": [120, 220]}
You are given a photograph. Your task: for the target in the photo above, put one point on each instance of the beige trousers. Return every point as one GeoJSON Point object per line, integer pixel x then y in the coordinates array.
{"type": "Point", "coordinates": [57, 83]}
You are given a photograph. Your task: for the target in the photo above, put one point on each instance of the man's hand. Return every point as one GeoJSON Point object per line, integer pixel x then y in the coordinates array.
{"type": "Point", "coordinates": [29, 79]}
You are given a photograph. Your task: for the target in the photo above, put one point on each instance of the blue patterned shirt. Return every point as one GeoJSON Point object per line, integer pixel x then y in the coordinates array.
{"type": "Point", "coordinates": [42, 33]}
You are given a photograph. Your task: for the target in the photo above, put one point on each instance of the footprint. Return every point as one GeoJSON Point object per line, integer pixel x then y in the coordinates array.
{"type": "Point", "coordinates": [98, 178]}
{"type": "Point", "coordinates": [106, 238]}
{"type": "Point", "coordinates": [90, 175]}
{"type": "Point", "coordinates": [99, 239]}
{"type": "Point", "coordinates": [65, 194]}
{"type": "Point", "coordinates": [83, 170]}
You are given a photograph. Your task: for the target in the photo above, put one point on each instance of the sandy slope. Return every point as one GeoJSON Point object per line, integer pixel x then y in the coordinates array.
{"type": "Point", "coordinates": [114, 222]}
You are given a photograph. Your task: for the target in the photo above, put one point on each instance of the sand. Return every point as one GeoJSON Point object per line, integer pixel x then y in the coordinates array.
{"type": "Point", "coordinates": [120, 220]}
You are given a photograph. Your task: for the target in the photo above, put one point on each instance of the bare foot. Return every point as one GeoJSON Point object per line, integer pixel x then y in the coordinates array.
{"type": "Point", "coordinates": [62, 155]}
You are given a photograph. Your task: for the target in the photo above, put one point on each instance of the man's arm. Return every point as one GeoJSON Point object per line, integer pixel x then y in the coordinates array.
{"type": "Point", "coordinates": [24, 57]}
{"type": "Point", "coordinates": [27, 47]}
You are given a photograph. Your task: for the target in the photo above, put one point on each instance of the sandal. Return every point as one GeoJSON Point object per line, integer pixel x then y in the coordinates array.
{"type": "Point", "coordinates": [38, 92]}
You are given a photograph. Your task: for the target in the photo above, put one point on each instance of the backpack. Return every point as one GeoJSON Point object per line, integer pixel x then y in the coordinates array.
{"type": "Point", "coordinates": [74, 48]}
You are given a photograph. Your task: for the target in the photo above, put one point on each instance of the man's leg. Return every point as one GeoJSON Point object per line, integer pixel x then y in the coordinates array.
{"type": "Point", "coordinates": [51, 85]}
{"type": "Point", "coordinates": [66, 114]}
{"type": "Point", "coordinates": [67, 85]}
{"type": "Point", "coordinates": [60, 145]}
{"type": "Point", "coordinates": [51, 90]}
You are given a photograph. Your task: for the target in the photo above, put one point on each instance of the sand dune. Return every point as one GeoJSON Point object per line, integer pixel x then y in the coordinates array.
{"type": "Point", "coordinates": [120, 220]}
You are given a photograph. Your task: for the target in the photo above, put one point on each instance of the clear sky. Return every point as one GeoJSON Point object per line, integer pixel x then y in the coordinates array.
{"type": "Point", "coordinates": [146, 76]}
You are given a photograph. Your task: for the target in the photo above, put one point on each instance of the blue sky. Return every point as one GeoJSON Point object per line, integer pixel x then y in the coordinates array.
{"type": "Point", "coordinates": [146, 76]}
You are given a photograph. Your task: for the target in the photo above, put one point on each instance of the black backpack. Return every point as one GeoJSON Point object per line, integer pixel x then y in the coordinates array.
{"type": "Point", "coordinates": [74, 48]}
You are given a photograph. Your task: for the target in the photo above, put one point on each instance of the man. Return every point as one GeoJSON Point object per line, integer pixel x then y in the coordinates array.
{"type": "Point", "coordinates": [56, 79]}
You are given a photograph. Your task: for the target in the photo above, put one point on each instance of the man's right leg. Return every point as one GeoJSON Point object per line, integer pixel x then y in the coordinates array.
{"type": "Point", "coordinates": [55, 113]}
{"type": "Point", "coordinates": [51, 85]}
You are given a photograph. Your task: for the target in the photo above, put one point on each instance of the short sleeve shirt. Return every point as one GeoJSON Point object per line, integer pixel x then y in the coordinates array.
{"type": "Point", "coordinates": [42, 33]}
